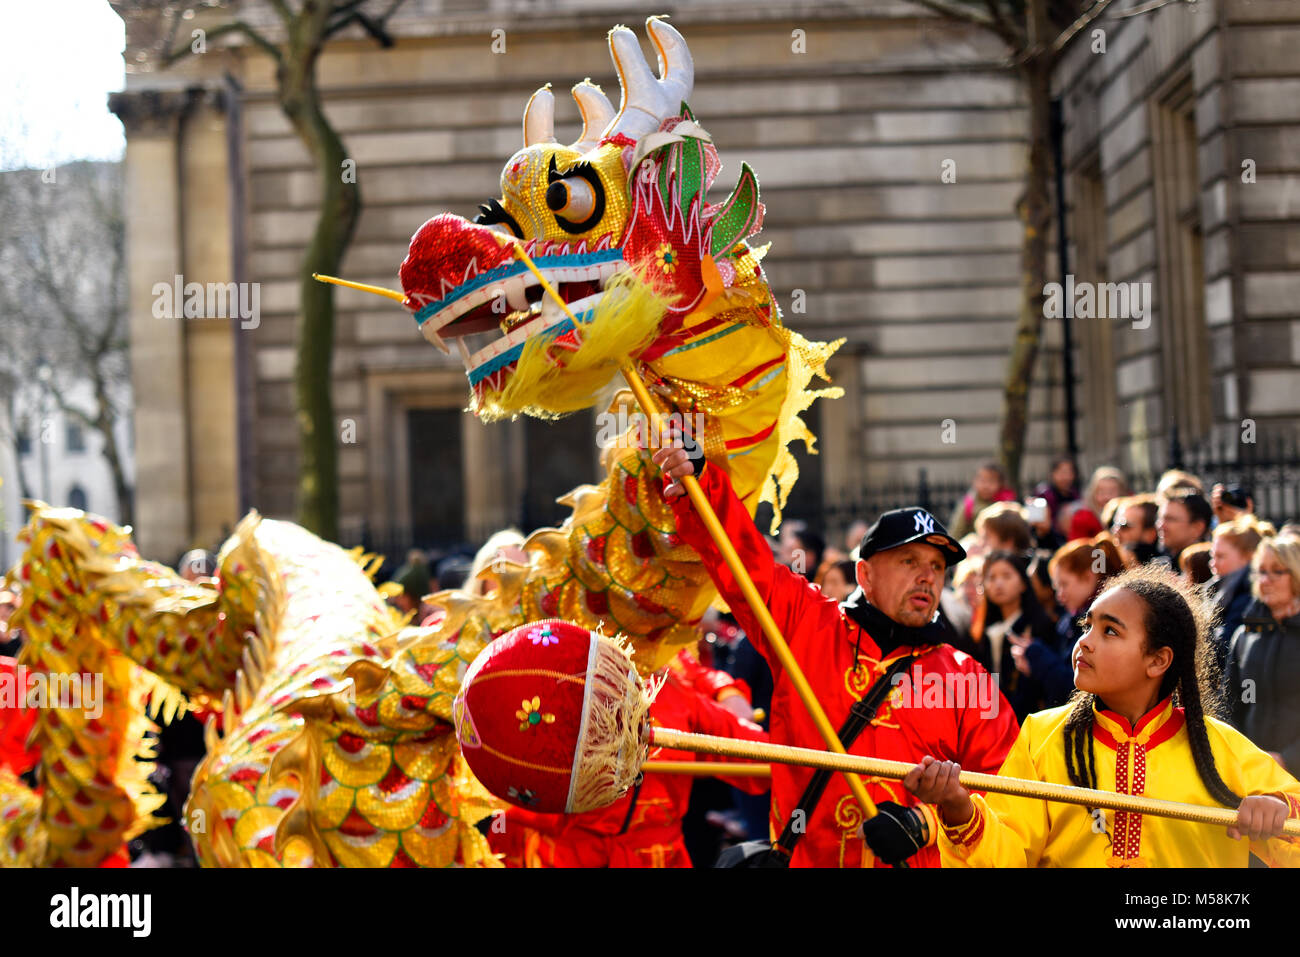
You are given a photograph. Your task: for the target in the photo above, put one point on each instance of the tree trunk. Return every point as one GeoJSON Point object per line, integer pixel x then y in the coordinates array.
{"type": "Point", "coordinates": [1034, 210]}
{"type": "Point", "coordinates": [24, 488]}
{"type": "Point", "coordinates": [105, 423]}
{"type": "Point", "coordinates": [340, 206]}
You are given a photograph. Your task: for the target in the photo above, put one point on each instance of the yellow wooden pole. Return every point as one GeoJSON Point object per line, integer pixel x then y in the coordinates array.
{"type": "Point", "coordinates": [737, 567]}
{"type": "Point", "coordinates": [706, 769]}
{"type": "Point", "coordinates": [972, 780]}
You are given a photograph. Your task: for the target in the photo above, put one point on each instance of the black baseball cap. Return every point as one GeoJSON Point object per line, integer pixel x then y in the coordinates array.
{"type": "Point", "coordinates": [902, 526]}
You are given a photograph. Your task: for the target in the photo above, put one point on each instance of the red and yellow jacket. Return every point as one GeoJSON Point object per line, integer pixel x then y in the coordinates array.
{"type": "Point", "coordinates": [1153, 759]}
{"type": "Point", "coordinates": [823, 638]}
{"type": "Point", "coordinates": [644, 827]}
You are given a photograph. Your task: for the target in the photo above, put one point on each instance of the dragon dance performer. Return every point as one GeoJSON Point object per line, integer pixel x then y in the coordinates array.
{"type": "Point", "coordinates": [1144, 637]}
{"type": "Point", "coordinates": [644, 827]}
{"type": "Point", "coordinates": [732, 693]}
{"type": "Point", "coordinates": [15, 720]}
{"type": "Point", "coordinates": [844, 649]}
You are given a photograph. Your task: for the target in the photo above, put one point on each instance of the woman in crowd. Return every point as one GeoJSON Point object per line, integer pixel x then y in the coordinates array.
{"type": "Point", "coordinates": [1004, 527]}
{"type": "Point", "coordinates": [1062, 486]}
{"type": "Point", "coordinates": [1075, 521]}
{"type": "Point", "coordinates": [1194, 563]}
{"type": "Point", "coordinates": [1263, 670]}
{"type": "Point", "coordinates": [988, 486]}
{"type": "Point", "coordinates": [839, 579]}
{"type": "Point", "coordinates": [1232, 548]}
{"type": "Point", "coordinates": [1041, 579]}
{"type": "Point", "coordinates": [1079, 571]}
{"type": "Point", "coordinates": [1123, 733]}
{"type": "Point", "coordinates": [1107, 483]}
{"type": "Point", "coordinates": [960, 599]}
{"type": "Point", "coordinates": [1013, 620]}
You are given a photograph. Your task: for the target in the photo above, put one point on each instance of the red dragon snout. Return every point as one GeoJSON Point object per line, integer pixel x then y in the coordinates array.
{"type": "Point", "coordinates": [451, 264]}
{"type": "Point", "coordinates": [462, 278]}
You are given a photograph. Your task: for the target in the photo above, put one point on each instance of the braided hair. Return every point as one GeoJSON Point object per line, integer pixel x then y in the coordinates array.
{"type": "Point", "coordinates": [1179, 618]}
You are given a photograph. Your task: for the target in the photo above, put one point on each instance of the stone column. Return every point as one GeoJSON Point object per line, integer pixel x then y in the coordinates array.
{"type": "Point", "coordinates": [158, 363]}
{"type": "Point", "coordinates": [205, 179]}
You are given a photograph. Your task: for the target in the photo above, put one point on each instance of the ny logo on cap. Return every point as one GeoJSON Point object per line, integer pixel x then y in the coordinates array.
{"type": "Point", "coordinates": [924, 522]}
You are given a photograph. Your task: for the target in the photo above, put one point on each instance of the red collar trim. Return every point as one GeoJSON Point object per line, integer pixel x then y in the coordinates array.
{"type": "Point", "coordinates": [1158, 725]}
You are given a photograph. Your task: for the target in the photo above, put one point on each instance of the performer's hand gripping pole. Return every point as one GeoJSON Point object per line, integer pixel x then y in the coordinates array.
{"type": "Point", "coordinates": [719, 536]}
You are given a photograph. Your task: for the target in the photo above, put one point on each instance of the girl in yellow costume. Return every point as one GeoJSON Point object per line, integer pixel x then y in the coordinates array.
{"type": "Point", "coordinates": [1145, 637]}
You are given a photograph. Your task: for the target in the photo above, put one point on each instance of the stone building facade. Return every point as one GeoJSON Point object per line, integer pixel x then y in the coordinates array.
{"type": "Point", "coordinates": [1182, 152]}
{"type": "Point", "coordinates": [849, 115]}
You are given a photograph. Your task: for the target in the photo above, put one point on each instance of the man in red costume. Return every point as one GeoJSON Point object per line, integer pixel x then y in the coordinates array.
{"type": "Point", "coordinates": [15, 719]}
{"type": "Point", "coordinates": [945, 702]}
{"type": "Point", "coordinates": [644, 827]}
{"type": "Point", "coordinates": [718, 686]}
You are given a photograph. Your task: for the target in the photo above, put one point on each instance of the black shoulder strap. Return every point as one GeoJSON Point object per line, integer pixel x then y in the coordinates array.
{"type": "Point", "coordinates": [860, 715]}
{"type": "Point", "coordinates": [631, 807]}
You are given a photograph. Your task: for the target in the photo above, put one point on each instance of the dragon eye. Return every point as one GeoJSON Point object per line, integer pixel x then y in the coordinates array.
{"type": "Point", "coordinates": [576, 197]}
{"type": "Point", "coordinates": [573, 198]}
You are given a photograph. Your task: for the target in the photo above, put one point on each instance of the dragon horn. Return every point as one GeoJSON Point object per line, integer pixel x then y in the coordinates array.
{"type": "Point", "coordinates": [648, 101]}
{"type": "Point", "coordinates": [596, 112]}
{"type": "Point", "coordinates": [539, 118]}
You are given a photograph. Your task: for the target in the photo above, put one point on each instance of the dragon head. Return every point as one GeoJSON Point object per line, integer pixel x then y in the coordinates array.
{"type": "Point", "coordinates": [616, 222]}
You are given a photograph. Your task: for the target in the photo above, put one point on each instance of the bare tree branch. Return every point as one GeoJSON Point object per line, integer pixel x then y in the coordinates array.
{"type": "Point", "coordinates": [1147, 8]}
{"type": "Point", "coordinates": [236, 26]}
{"type": "Point", "coordinates": [1068, 34]}
{"type": "Point", "coordinates": [67, 408]}
{"type": "Point", "coordinates": [1011, 34]}
{"type": "Point", "coordinates": [956, 12]}
{"type": "Point", "coordinates": [345, 8]}
{"type": "Point", "coordinates": [375, 26]}
{"type": "Point", "coordinates": [340, 25]}
{"type": "Point", "coordinates": [282, 8]}
{"type": "Point", "coordinates": [392, 8]}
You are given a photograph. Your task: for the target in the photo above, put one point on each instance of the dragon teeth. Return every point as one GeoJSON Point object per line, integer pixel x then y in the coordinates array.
{"type": "Point", "coordinates": [514, 291]}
